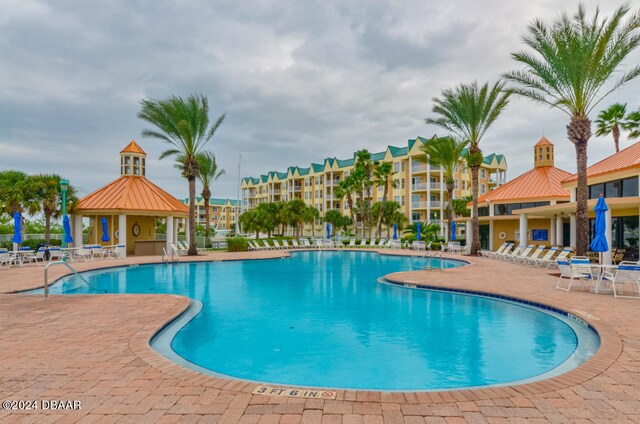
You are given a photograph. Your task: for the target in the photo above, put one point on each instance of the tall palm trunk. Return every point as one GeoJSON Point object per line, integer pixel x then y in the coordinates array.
{"type": "Point", "coordinates": [192, 216]}
{"type": "Point", "coordinates": [381, 213]}
{"type": "Point", "coordinates": [351, 214]}
{"type": "Point", "coordinates": [450, 186]}
{"type": "Point", "coordinates": [475, 226]}
{"type": "Point", "coordinates": [616, 136]}
{"type": "Point", "coordinates": [361, 211]}
{"type": "Point", "coordinates": [47, 226]}
{"type": "Point", "coordinates": [579, 132]}
{"type": "Point", "coordinates": [207, 224]}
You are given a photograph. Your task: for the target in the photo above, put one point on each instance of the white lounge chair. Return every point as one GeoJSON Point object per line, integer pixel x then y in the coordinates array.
{"type": "Point", "coordinates": [37, 257]}
{"type": "Point", "coordinates": [524, 254]}
{"type": "Point", "coordinates": [509, 252]}
{"type": "Point", "coordinates": [55, 253]}
{"type": "Point", "coordinates": [85, 252]}
{"type": "Point", "coordinates": [547, 258]}
{"type": "Point", "coordinates": [7, 258]}
{"type": "Point", "coordinates": [352, 243]}
{"type": "Point", "coordinates": [628, 273]}
{"type": "Point", "coordinates": [535, 255]}
{"type": "Point", "coordinates": [502, 249]}
{"type": "Point", "coordinates": [487, 253]}
{"type": "Point", "coordinates": [564, 254]}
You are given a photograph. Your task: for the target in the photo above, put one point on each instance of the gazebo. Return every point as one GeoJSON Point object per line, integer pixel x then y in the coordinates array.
{"type": "Point", "coordinates": [131, 205]}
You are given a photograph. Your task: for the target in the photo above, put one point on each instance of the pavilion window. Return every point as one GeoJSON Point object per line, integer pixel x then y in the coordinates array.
{"type": "Point", "coordinates": [127, 160]}
{"type": "Point", "coordinates": [136, 161]}
{"type": "Point", "coordinates": [483, 211]}
{"type": "Point", "coordinates": [136, 170]}
{"type": "Point", "coordinates": [127, 170]}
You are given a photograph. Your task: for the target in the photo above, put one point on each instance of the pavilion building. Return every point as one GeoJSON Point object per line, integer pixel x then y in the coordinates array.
{"type": "Point", "coordinates": [131, 204]}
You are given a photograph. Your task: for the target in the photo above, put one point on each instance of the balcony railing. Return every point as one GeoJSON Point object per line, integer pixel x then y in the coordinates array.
{"type": "Point", "coordinates": [297, 189]}
{"type": "Point", "coordinates": [331, 183]}
{"type": "Point", "coordinates": [434, 204]}
{"type": "Point", "coordinates": [423, 168]}
{"type": "Point", "coordinates": [432, 186]}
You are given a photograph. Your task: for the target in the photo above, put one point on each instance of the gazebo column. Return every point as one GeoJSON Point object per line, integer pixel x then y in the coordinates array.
{"type": "Point", "coordinates": [468, 232]}
{"type": "Point", "coordinates": [572, 230]}
{"type": "Point", "coordinates": [523, 229]}
{"type": "Point", "coordinates": [170, 232]}
{"type": "Point", "coordinates": [77, 230]}
{"type": "Point", "coordinates": [559, 235]}
{"type": "Point", "coordinates": [175, 229]}
{"type": "Point", "coordinates": [491, 215]}
{"type": "Point", "coordinates": [552, 231]}
{"type": "Point", "coordinates": [606, 256]}
{"type": "Point", "coordinates": [122, 232]}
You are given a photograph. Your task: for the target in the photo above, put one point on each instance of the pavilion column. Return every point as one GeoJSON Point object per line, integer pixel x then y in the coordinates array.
{"type": "Point", "coordinates": [523, 229]}
{"type": "Point", "coordinates": [170, 231]}
{"type": "Point", "coordinates": [77, 230]}
{"type": "Point", "coordinates": [491, 235]}
{"type": "Point", "coordinates": [552, 231]}
{"type": "Point", "coordinates": [469, 232]}
{"type": "Point", "coordinates": [122, 232]}
{"type": "Point", "coordinates": [559, 235]}
{"type": "Point", "coordinates": [572, 230]}
{"type": "Point", "coordinates": [428, 190]}
{"type": "Point", "coordinates": [175, 229]}
{"type": "Point", "coordinates": [606, 256]}
{"type": "Point", "coordinates": [441, 198]}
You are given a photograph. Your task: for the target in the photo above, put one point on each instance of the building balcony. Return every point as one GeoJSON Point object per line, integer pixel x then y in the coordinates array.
{"type": "Point", "coordinates": [331, 183]}
{"type": "Point", "coordinates": [432, 186]}
{"type": "Point", "coordinates": [433, 204]}
{"type": "Point", "coordinates": [297, 189]}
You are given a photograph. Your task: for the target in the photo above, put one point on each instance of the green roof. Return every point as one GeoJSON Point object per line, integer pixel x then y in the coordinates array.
{"type": "Point", "coordinates": [398, 151]}
{"type": "Point", "coordinates": [378, 156]}
{"type": "Point", "coordinates": [304, 171]}
{"type": "Point", "coordinates": [346, 162]}
{"type": "Point", "coordinates": [282, 175]}
{"type": "Point", "coordinates": [317, 167]}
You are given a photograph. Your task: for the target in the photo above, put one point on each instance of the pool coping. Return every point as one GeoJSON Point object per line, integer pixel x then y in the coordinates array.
{"type": "Point", "coordinates": [610, 349]}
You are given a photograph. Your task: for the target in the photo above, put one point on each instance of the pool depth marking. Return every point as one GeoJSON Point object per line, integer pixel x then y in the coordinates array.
{"type": "Point", "coordinates": [299, 393]}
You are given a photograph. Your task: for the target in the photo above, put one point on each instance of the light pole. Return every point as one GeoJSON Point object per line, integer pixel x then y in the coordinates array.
{"type": "Point", "coordinates": [64, 186]}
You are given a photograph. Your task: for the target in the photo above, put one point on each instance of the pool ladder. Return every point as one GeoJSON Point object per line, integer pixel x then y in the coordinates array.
{"type": "Point", "coordinates": [171, 256]}
{"type": "Point", "coordinates": [429, 256]}
{"type": "Point", "coordinates": [46, 275]}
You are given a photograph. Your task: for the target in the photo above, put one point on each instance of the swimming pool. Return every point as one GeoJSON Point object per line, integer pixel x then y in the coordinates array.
{"type": "Point", "coordinates": [321, 319]}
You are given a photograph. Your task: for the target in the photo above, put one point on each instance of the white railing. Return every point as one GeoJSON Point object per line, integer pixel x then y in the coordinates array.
{"type": "Point", "coordinates": [435, 204]}
{"type": "Point", "coordinates": [437, 186]}
{"type": "Point", "coordinates": [419, 186]}
{"type": "Point", "coordinates": [418, 168]}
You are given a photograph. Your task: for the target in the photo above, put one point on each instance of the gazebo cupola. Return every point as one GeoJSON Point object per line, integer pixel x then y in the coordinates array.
{"type": "Point", "coordinates": [543, 153]}
{"type": "Point", "coordinates": [133, 160]}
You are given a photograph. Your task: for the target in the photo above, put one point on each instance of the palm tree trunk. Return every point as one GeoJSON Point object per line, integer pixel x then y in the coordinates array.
{"type": "Point", "coordinates": [207, 225]}
{"type": "Point", "coordinates": [381, 213]}
{"type": "Point", "coordinates": [351, 214]}
{"type": "Point", "coordinates": [192, 217]}
{"type": "Point", "coordinates": [475, 226]}
{"type": "Point", "coordinates": [47, 226]}
{"type": "Point", "coordinates": [616, 137]}
{"type": "Point", "coordinates": [579, 132]}
{"type": "Point", "coordinates": [450, 208]}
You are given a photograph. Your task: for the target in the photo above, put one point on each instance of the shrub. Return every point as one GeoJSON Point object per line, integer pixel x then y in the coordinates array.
{"type": "Point", "coordinates": [237, 244]}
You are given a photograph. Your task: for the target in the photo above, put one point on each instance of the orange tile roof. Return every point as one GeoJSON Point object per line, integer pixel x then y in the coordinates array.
{"type": "Point", "coordinates": [132, 193]}
{"type": "Point", "coordinates": [544, 141]}
{"type": "Point", "coordinates": [538, 183]}
{"type": "Point", "coordinates": [133, 147]}
{"type": "Point", "coordinates": [625, 159]}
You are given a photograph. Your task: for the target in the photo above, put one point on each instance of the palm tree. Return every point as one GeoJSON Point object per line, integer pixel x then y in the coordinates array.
{"type": "Point", "coordinates": [633, 124]}
{"type": "Point", "coordinates": [208, 174]}
{"type": "Point", "coordinates": [573, 59]}
{"type": "Point", "coordinates": [468, 111]}
{"type": "Point", "coordinates": [18, 193]}
{"type": "Point", "coordinates": [49, 197]}
{"type": "Point", "coordinates": [362, 185]}
{"type": "Point", "coordinates": [183, 124]}
{"type": "Point", "coordinates": [383, 176]}
{"type": "Point", "coordinates": [460, 206]}
{"type": "Point", "coordinates": [445, 152]}
{"type": "Point", "coordinates": [295, 216]}
{"type": "Point", "coordinates": [250, 222]}
{"type": "Point", "coordinates": [345, 189]}
{"type": "Point", "coordinates": [610, 120]}
{"type": "Point", "coordinates": [310, 215]}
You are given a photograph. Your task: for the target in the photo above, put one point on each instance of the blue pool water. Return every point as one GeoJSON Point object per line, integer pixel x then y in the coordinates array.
{"type": "Point", "coordinates": [322, 319]}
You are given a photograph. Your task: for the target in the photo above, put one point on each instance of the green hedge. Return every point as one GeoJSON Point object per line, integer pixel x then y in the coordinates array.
{"type": "Point", "coordinates": [237, 244]}
{"type": "Point", "coordinates": [32, 243]}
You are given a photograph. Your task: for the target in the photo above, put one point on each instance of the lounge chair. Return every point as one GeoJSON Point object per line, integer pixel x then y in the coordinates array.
{"type": "Point", "coordinates": [535, 255]}
{"type": "Point", "coordinates": [627, 273]}
{"type": "Point", "coordinates": [85, 252]}
{"type": "Point", "coordinates": [524, 253]}
{"type": "Point", "coordinates": [548, 257]}
{"type": "Point", "coordinates": [276, 245]}
{"type": "Point", "coordinates": [251, 247]}
{"type": "Point", "coordinates": [564, 254]}
{"type": "Point", "coordinates": [487, 253]}
{"type": "Point", "coordinates": [396, 244]}
{"type": "Point", "coordinates": [502, 249]}
{"type": "Point", "coordinates": [381, 243]}
{"type": "Point", "coordinates": [37, 256]}
{"type": "Point", "coordinates": [305, 243]}
{"type": "Point", "coordinates": [352, 243]}
{"type": "Point", "coordinates": [509, 251]}
{"type": "Point", "coordinates": [294, 244]}
{"type": "Point", "coordinates": [579, 267]}
{"type": "Point", "coordinates": [177, 249]}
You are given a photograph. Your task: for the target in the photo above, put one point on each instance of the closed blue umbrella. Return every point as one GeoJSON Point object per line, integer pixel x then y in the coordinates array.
{"type": "Point", "coordinates": [453, 230]}
{"type": "Point", "coordinates": [599, 243]}
{"type": "Point", "coordinates": [328, 231]}
{"type": "Point", "coordinates": [66, 225]}
{"type": "Point", "coordinates": [105, 230]}
{"type": "Point", "coordinates": [395, 231]}
{"type": "Point", "coordinates": [419, 230]}
{"type": "Point", "coordinates": [17, 228]}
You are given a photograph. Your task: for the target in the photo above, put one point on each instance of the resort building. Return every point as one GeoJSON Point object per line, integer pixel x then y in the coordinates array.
{"type": "Point", "coordinates": [224, 213]}
{"type": "Point", "coordinates": [417, 185]}
{"type": "Point", "coordinates": [617, 179]}
{"type": "Point", "coordinates": [131, 205]}
{"type": "Point", "coordinates": [540, 186]}
{"type": "Point", "coordinates": [539, 206]}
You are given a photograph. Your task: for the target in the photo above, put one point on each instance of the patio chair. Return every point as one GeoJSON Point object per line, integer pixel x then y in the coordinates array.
{"type": "Point", "coordinates": [85, 252]}
{"type": "Point", "coordinates": [305, 243]}
{"type": "Point", "coordinates": [36, 256]}
{"type": "Point", "coordinates": [531, 260]}
{"type": "Point", "coordinates": [627, 273]}
{"type": "Point", "coordinates": [396, 244]}
{"type": "Point", "coordinates": [564, 254]}
{"type": "Point", "coordinates": [250, 246]}
{"type": "Point", "coordinates": [579, 267]}
{"type": "Point", "coordinates": [382, 243]}
{"type": "Point", "coordinates": [55, 253]}
{"type": "Point", "coordinates": [177, 250]}
{"type": "Point", "coordinates": [294, 244]}
{"type": "Point", "coordinates": [120, 251]}
{"type": "Point", "coordinates": [276, 245]}
{"type": "Point", "coordinates": [7, 258]}
{"type": "Point", "coordinates": [488, 253]}
{"type": "Point", "coordinates": [352, 243]}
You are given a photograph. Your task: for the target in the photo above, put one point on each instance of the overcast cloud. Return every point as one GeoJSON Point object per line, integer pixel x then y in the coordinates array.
{"type": "Point", "coordinates": [299, 80]}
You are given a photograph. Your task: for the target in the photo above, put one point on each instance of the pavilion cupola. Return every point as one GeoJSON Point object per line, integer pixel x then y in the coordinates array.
{"type": "Point", "coordinates": [543, 153]}
{"type": "Point", "coordinates": [133, 160]}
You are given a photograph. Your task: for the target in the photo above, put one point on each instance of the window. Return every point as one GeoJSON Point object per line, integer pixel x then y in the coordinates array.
{"type": "Point", "coordinates": [127, 160]}
{"type": "Point", "coordinates": [483, 211]}
{"type": "Point", "coordinates": [403, 166]}
{"type": "Point", "coordinates": [396, 167]}
{"type": "Point", "coordinates": [483, 188]}
{"type": "Point", "coordinates": [464, 184]}
{"type": "Point", "coordinates": [396, 199]}
{"type": "Point", "coordinates": [136, 161]}
{"type": "Point", "coordinates": [630, 187]}
{"type": "Point", "coordinates": [415, 216]}
{"type": "Point", "coordinates": [617, 188]}
{"type": "Point", "coordinates": [127, 170]}
{"type": "Point", "coordinates": [455, 184]}
{"type": "Point", "coordinates": [403, 183]}
{"type": "Point", "coordinates": [403, 200]}
{"type": "Point", "coordinates": [483, 174]}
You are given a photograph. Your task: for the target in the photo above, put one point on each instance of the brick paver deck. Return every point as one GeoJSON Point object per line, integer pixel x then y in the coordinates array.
{"type": "Point", "coordinates": [95, 349]}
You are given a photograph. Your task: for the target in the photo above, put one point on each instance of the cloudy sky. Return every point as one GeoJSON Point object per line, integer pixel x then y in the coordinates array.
{"type": "Point", "coordinates": [298, 80]}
